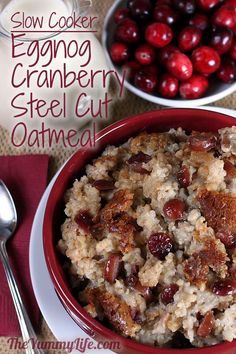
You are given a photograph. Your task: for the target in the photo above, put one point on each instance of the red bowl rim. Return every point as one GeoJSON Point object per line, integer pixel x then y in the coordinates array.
{"type": "Point", "coordinates": [70, 303]}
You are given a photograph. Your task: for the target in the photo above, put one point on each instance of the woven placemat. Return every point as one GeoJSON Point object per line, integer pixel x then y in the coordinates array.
{"type": "Point", "coordinates": [129, 105]}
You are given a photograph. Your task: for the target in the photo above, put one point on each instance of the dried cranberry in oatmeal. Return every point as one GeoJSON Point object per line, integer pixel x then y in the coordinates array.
{"type": "Point", "coordinates": [150, 230]}
{"type": "Point", "coordinates": [206, 325]}
{"type": "Point", "coordinates": [202, 141]}
{"type": "Point", "coordinates": [183, 177]}
{"type": "Point", "coordinates": [103, 185]}
{"type": "Point", "coordinates": [168, 293]}
{"type": "Point", "coordinates": [174, 209]}
{"type": "Point", "coordinates": [160, 245]}
{"type": "Point", "coordinates": [230, 170]}
{"type": "Point", "coordinates": [112, 267]}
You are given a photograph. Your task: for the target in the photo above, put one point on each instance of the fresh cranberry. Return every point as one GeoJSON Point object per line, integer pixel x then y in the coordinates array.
{"type": "Point", "coordinates": [194, 87]}
{"type": "Point", "coordinates": [119, 52]}
{"type": "Point", "coordinates": [165, 14]}
{"type": "Point", "coordinates": [141, 9]}
{"type": "Point", "coordinates": [200, 21]}
{"type": "Point", "coordinates": [168, 86]}
{"type": "Point", "coordinates": [112, 268]}
{"type": "Point", "coordinates": [120, 15]}
{"type": "Point", "coordinates": [227, 238]}
{"type": "Point", "coordinates": [183, 177]}
{"type": "Point", "coordinates": [189, 38]}
{"type": "Point", "coordinates": [145, 54]}
{"type": "Point", "coordinates": [127, 31]}
{"type": "Point", "coordinates": [158, 34]}
{"type": "Point", "coordinates": [205, 60]}
{"type": "Point", "coordinates": [180, 66]}
{"type": "Point", "coordinates": [163, 2]}
{"type": "Point", "coordinates": [174, 209]}
{"type": "Point", "coordinates": [227, 71]}
{"type": "Point", "coordinates": [221, 40]}
{"type": "Point", "coordinates": [168, 293]}
{"type": "Point", "coordinates": [146, 79]}
{"type": "Point", "coordinates": [130, 3]}
{"type": "Point", "coordinates": [104, 185]}
{"type": "Point", "coordinates": [160, 245]}
{"type": "Point", "coordinates": [84, 221]}
{"type": "Point", "coordinates": [164, 53]}
{"type": "Point", "coordinates": [234, 29]}
{"type": "Point", "coordinates": [131, 67]}
{"type": "Point", "coordinates": [225, 16]}
{"type": "Point", "coordinates": [232, 51]}
{"type": "Point", "coordinates": [202, 141]}
{"type": "Point", "coordinates": [224, 287]}
{"type": "Point", "coordinates": [207, 4]}
{"type": "Point", "coordinates": [185, 6]}
{"type": "Point", "coordinates": [231, 3]}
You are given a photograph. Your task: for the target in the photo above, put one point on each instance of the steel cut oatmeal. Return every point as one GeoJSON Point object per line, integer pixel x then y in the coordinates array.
{"type": "Point", "coordinates": [151, 238]}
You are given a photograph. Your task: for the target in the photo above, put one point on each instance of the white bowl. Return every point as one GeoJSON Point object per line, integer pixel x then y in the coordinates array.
{"type": "Point", "coordinates": [216, 91]}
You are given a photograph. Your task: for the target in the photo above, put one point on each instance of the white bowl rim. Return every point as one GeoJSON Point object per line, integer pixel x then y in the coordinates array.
{"type": "Point", "coordinates": [155, 99]}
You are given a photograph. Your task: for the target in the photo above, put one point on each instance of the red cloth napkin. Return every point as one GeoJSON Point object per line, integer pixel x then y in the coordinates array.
{"type": "Point", "coordinates": [26, 178]}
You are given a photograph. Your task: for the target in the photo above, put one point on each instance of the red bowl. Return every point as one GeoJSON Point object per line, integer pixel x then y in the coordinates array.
{"type": "Point", "coordinates": [162, 120]}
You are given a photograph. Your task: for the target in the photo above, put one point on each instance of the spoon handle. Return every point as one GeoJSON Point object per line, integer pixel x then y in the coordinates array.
{"type": "Point", "coordinates": [27, 330]}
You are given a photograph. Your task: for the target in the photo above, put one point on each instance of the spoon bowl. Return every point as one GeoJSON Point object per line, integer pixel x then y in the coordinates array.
{"type": "Point", "coordinates": [8, 214]}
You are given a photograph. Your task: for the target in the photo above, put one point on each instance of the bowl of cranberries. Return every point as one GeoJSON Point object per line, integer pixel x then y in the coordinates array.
{"type": "Point", "coordinates": [174, 52]}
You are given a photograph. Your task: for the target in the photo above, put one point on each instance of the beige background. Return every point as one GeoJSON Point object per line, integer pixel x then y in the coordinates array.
{"type": "Point", "coordinates": [129, 106]}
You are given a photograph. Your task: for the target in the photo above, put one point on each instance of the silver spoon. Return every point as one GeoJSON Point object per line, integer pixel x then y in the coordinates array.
{"type": "Point", "coordinates": [8, 222]}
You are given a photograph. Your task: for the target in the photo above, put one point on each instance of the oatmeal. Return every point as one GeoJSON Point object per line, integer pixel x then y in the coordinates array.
{"type": "Point", "coordinates": [150, 234]}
